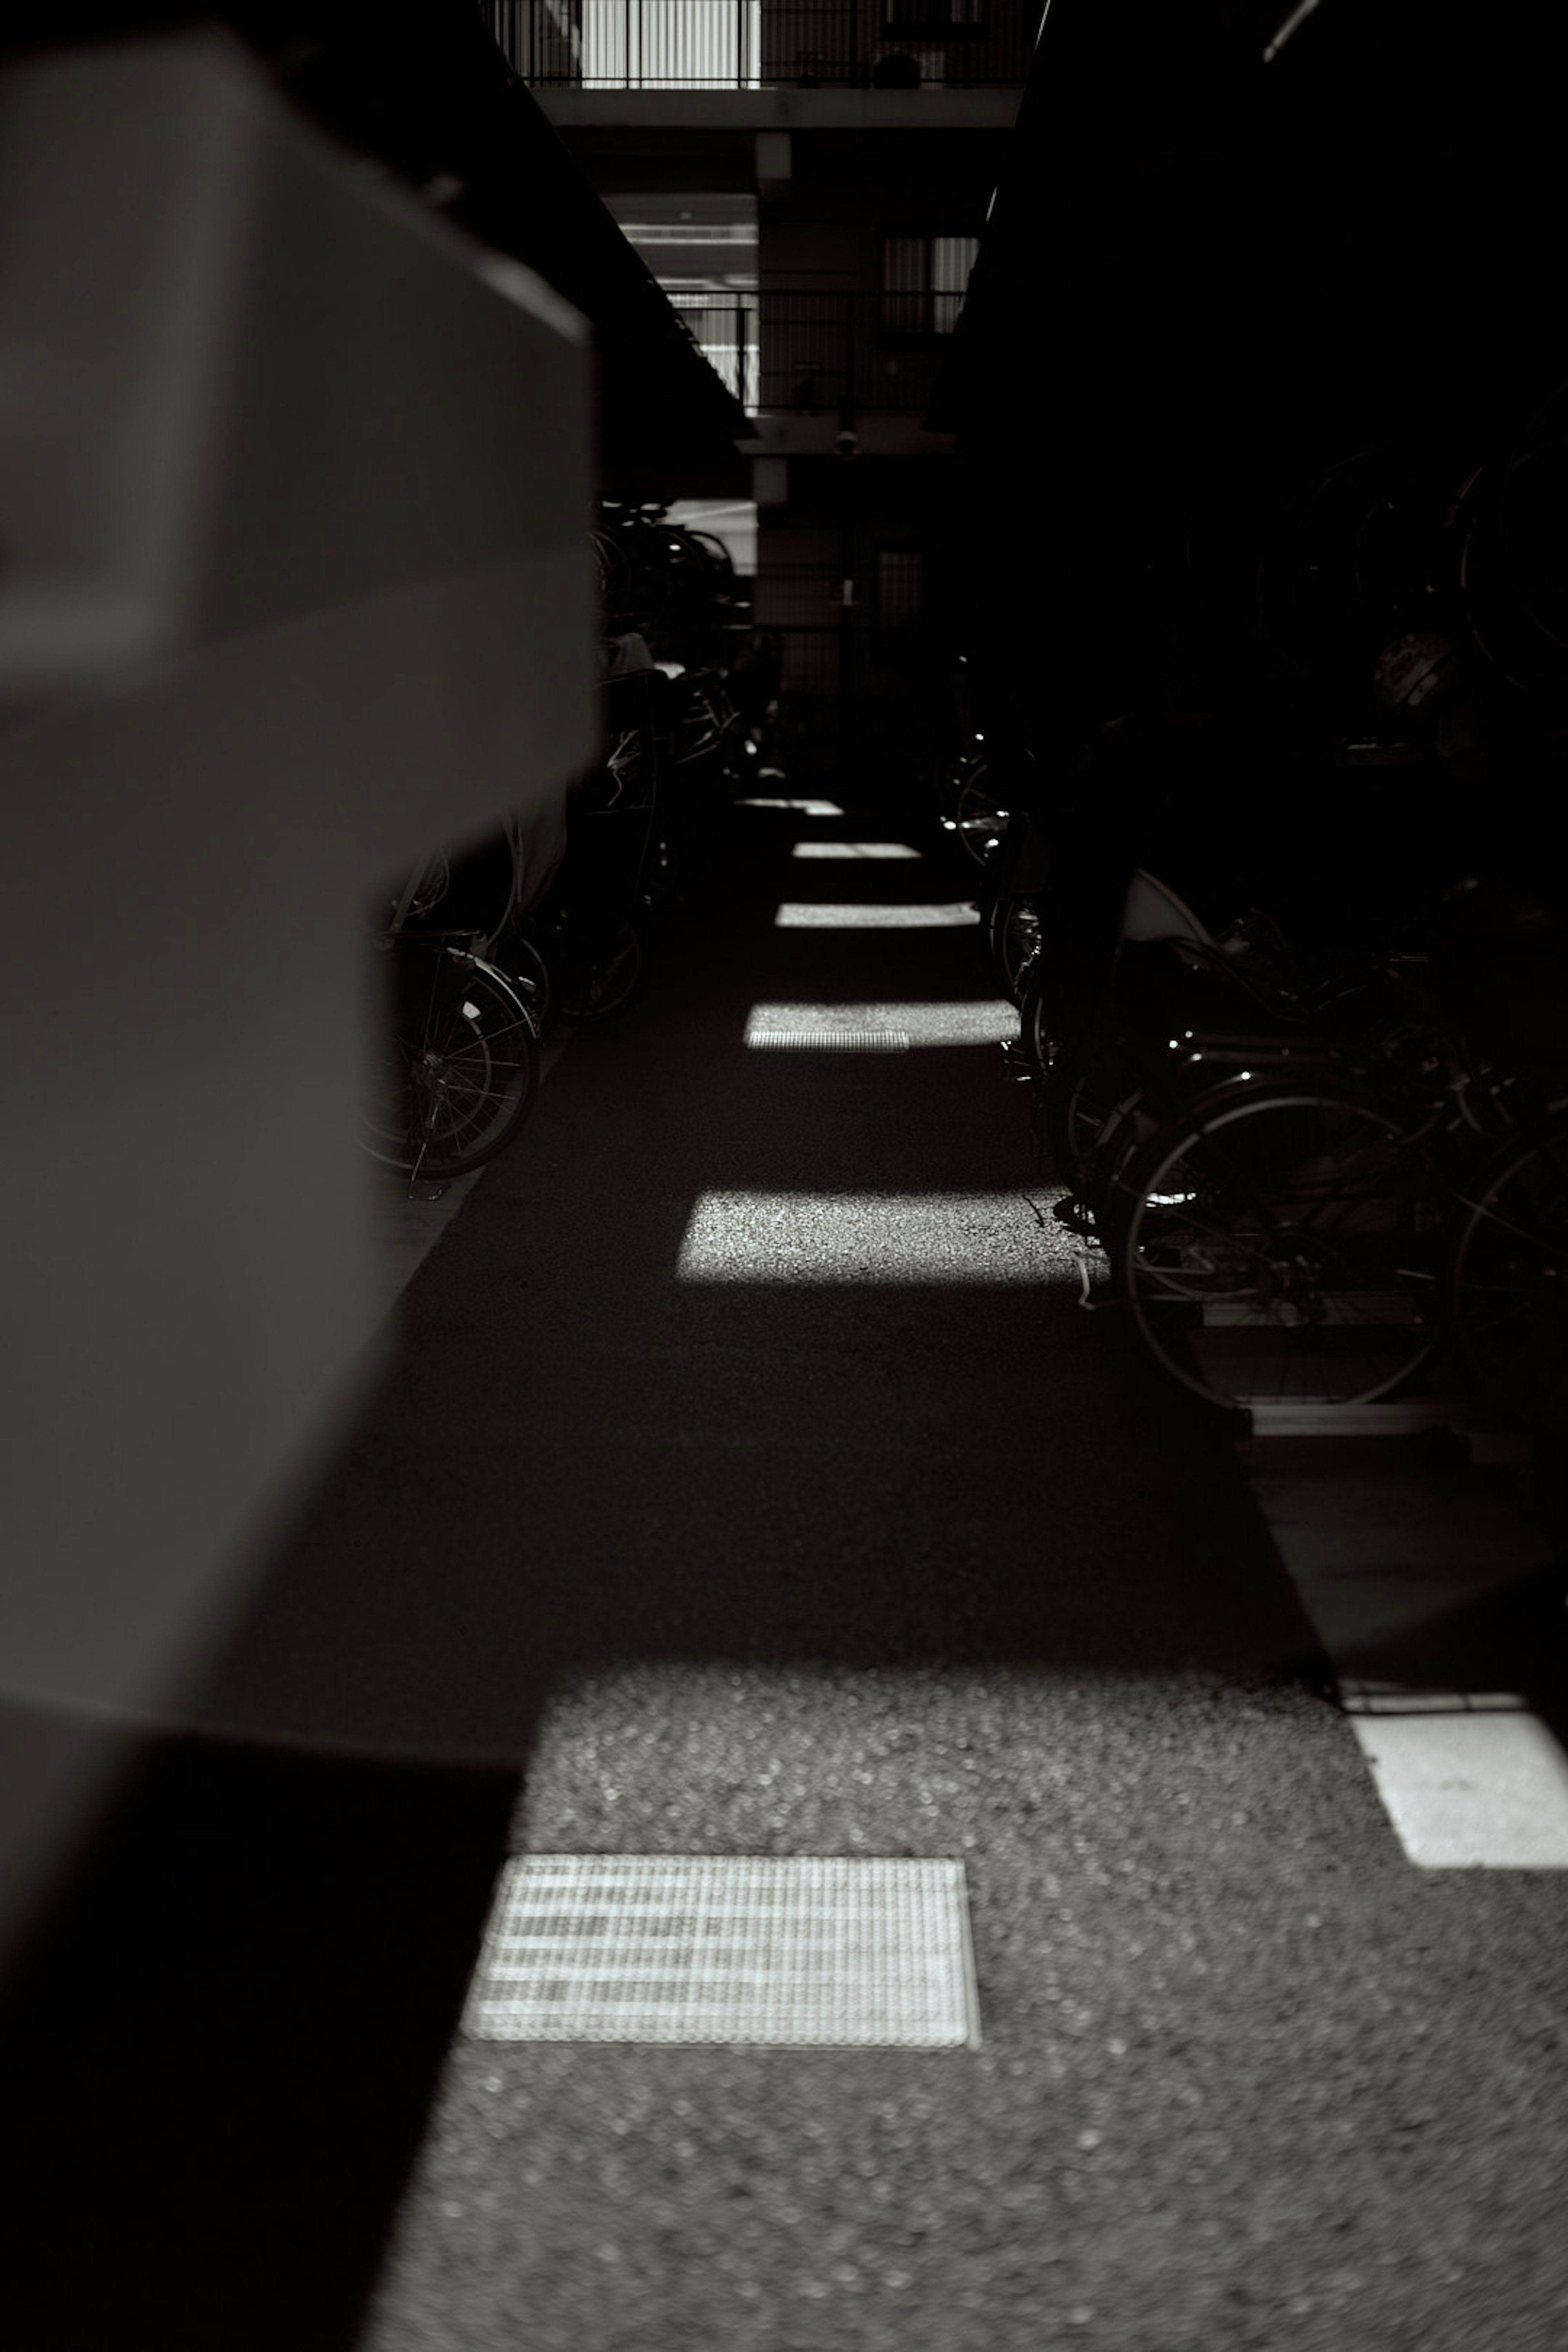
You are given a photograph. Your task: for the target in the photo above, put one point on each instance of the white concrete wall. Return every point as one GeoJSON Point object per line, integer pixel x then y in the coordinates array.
{"type": "Point", "coordinates": [295, 488]}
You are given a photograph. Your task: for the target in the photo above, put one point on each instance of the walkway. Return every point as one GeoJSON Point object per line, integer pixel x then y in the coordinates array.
{"type": "Point", "coordinates": [746, 1482]}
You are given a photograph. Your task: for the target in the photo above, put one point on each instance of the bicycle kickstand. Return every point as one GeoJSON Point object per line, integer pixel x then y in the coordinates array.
{"type": "Point", "coordinates": [434, 1193]}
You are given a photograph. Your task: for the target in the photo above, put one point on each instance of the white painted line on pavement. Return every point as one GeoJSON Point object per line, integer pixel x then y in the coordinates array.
{"type": "Point", "coordinates": [1481, 1790]}
{"type": "Point", "coordinates": [1469, 1779]}
{"type": "Point", "coordinates": [1360, 1697]}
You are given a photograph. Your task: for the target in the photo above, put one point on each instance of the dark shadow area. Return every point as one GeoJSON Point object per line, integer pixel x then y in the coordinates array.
{"type": "Point", "coordinates": [218, 2064]}
{"type": "Point", "coordinates": [577, 1458]}
{"type": "Point", "coordinates": [1513, 1638]}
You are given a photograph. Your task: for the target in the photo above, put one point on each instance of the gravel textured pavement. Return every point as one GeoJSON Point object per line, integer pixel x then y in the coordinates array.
{"type": "Point", "coordinates": [667, 1532]}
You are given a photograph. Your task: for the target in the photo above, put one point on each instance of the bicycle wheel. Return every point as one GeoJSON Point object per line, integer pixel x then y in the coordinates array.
{"type": "Point", "coordinates": [588, 986]}
{"type": "Point", "coordinates": [523, 966]}
{"type": "Point", "coordinates": [1507, 1275]}
{"type": "Point", "coordinates": [615, 580]}
{"type": "Point", "coordinates": [1012, 935]}
{"type": "Point", "coordinates": [1039, 1017]}
{"type": "Point", "coordinates": [1085, 1086]}
{"type": "Point", "coordinates": [979, 819]}
{"type": "Point", "coordinates": [459, 1065]}
{"type": "Point", "coordinates": [1282, 1248]}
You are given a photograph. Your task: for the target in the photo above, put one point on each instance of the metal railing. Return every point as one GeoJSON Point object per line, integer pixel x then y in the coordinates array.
{"type": "Point", "coordinates": [756, 44]}
{"type": "Point", "coordinates": [806, 354]}
{"type": "Point", "coordinates": [803, 604]}
{"type": "Point", "coordinates": [725, 329]}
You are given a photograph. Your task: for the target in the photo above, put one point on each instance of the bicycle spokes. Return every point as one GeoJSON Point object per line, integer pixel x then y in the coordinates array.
{"type": "Point", "coordinates": [1278, 1252]}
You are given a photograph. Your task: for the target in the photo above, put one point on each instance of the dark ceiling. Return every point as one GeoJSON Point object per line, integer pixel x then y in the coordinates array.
{"type": "Point", "coordinates": [1208, 272]}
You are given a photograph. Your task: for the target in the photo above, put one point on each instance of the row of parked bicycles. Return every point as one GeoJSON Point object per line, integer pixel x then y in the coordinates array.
{"type": "Point", "coordinates": [1304, 1180]}
{"type": "Point", "coordinates": [482, 951]}
{"type": "Point", "coordinates": [1318, 1165]}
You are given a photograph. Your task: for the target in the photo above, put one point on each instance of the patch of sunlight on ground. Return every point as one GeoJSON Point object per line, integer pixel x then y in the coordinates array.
{"type": "Point", "coordinates": [984, 1023]}
{"type": "Point", "coordinates": [811, 914]}
{"type": "Point", "coordinates": [801, 808]}
{"type": "Point", "coordinates": [884, 1237]}
{"type": "Point", "coordinates": [853, 849]}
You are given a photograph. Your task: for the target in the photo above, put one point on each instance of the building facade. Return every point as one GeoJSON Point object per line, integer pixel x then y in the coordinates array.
{"type": "Point", "coordinates": [809, 184]}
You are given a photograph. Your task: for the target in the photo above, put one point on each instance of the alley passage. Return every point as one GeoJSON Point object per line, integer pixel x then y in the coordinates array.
{"type": "Point", "coordinates": [749, 1483]}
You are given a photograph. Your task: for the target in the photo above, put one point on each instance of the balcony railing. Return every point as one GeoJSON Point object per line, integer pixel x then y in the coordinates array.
{"type": "Point", "coordinates": [759, 44]}
{"type": "Point", "coordinates": [805, 354]}
{"type": "Point", "coordinates": [725, 329]}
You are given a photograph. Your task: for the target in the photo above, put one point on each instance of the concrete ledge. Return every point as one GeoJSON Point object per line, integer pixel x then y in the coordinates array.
{"type": "Point", "coordinates": [888, 433]}
{"type": "Point", "coordinates": [937, 107]}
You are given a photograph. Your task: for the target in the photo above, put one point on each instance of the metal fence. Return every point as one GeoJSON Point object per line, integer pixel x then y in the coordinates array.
{"type": "Point", "coordinates": [819, 349]}
{"type": "Point", "coordinates": [725, 327]}
{"type": "Point", "coordinates": [807, 354]}
{"type": "Point", "coordinates": [804, 604]}
{"type": "Point", "coordinates": [753, 44]}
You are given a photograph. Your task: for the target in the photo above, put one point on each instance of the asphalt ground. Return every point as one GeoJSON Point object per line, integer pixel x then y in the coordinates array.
{"type": "Point", "coordinates": [654, 1541]}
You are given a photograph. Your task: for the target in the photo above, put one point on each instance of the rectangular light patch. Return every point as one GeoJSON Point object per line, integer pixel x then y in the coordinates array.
{"type": "Point", "coordinates": [716, 1948]}
{"type": "Point", "coordinates": [983, 1022]}
{"type": "Point", "coordinates": [801, 808]}
{"type": "Point", "coordinates": [847, 1237]}
{"type": "Point", "coordinates": [854, 849]}
{"type": "Point", "coordinates": [823, 915]}
{"type": "Point", "coordinates": [825, 1040]}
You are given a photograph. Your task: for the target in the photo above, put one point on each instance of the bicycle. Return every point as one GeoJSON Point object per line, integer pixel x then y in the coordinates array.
{"type": "Point", "coordinates": [968, 810]}
{"type": "Point", "coordinates": [1289, 1209]}
{"type": "Point", "coordinates": [456, 1070]}
{"type": "Point", "coordinates": [1090, 1063]}
{"type": "Point", "coordinates": [1307, 1228]}
{"type": "Point", "coordinates": [1505, 1271]}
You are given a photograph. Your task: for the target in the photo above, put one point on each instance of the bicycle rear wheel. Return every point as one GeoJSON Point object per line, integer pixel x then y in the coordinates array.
{"type": "Point", "coordinates": [1012, 935]}
{"type": "Point", "coordinates": [1282, 1248]}
{"type": "Point", "coordinates": [1086, 1088]}
{"type": "Point", "coordinates": [522, 965]}
{"type": "Point", "coordinates": [459, 1067]}
{"type": "Point", "coordinates": [1507, 1276]}
{"type": "Point", "coordinates": [979, 820]}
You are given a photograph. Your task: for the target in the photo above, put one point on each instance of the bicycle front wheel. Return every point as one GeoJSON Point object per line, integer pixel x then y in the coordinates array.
{"type": "Point", "coordinates": [1282, 1248]}
{"type": "Point", "coordinates": [458, 1066]}
{"type": "Point", "coordinates": [591, 984]}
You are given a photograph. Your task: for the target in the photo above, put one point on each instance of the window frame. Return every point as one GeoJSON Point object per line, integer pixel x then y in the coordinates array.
{"type": "Point", "coordinates": [889, 638]}
{"type": "Point", "coordinates": [927, 336]}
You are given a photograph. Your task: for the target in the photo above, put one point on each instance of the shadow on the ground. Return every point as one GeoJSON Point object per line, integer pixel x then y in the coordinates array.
{"type": "Point", "coordinates": [577, 1457]}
